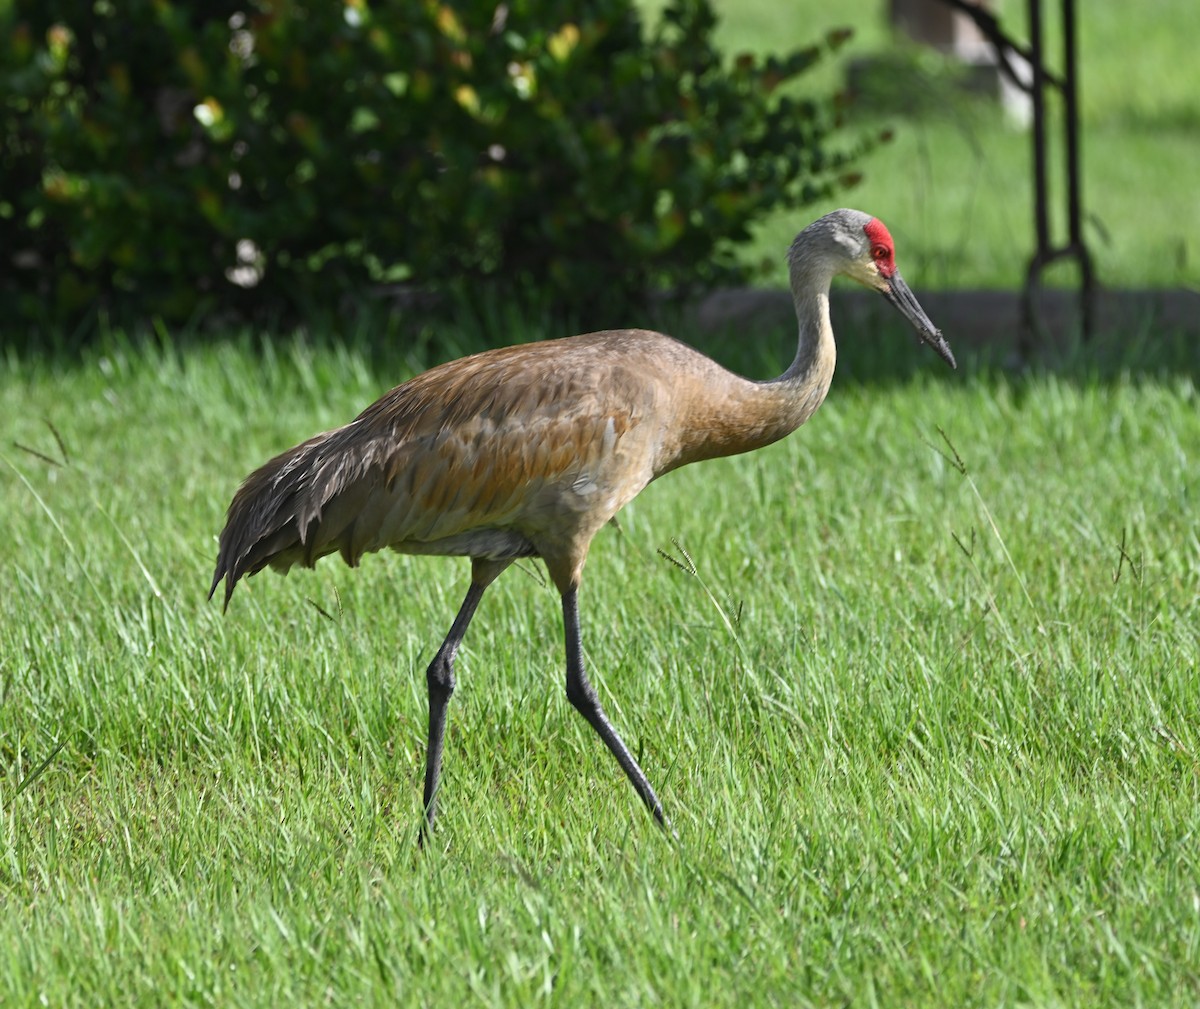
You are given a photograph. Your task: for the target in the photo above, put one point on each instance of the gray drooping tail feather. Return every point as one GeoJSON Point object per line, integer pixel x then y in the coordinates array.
{"type": "Point", "coordinates": [273, 517]}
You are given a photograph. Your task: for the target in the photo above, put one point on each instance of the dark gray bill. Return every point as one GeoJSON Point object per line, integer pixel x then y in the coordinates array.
{"type": "Point", "coordinates": [898, 293]}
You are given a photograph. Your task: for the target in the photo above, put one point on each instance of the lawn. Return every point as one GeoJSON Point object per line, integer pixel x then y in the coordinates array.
{"type": "Point", "coordinates": [925, 716]}
{"type": "Point", "coordinates": [923, 705]}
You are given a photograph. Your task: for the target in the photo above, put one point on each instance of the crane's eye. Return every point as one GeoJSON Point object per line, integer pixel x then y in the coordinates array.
{"type": "Point", "coordinates": [880, 252]}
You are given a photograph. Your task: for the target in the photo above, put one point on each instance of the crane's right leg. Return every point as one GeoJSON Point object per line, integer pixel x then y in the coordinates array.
{"type": "Point", "coordinates": [440, 679]}
{"type": "Point", "coordinates": [582, 696]}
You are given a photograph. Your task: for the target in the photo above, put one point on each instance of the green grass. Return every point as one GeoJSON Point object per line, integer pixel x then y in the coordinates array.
{"type": "Point", "coordinates": [928, 737]}
{"type": "Point", "coordinates": [955, 186]}
{"type": "Point", "coordinates": [928, 732]}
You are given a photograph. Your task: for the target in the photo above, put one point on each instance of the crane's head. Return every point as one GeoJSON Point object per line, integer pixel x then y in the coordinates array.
{"type": "Point", "coordinates": [859, 246]}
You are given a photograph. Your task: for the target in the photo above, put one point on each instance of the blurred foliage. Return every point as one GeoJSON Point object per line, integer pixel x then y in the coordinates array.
{"type": "Point", "coordinates": [170, 158]}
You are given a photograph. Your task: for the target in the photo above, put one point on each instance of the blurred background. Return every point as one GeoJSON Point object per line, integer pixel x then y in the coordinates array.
{"type": "Point", "coordinates": [956, 182]}
{"type": "Point", "coordinates": [180, 162]}
{"type": "Point", "coordinates": [957, 178]}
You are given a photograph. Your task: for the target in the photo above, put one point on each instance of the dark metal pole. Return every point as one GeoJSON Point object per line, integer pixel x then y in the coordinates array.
{"type": "Point", "coordinates": [1072, 123]}
{"type": "Point", "coordinates": [1037, 96]}
{"type": "Point", "coordinates": [1074, 182]}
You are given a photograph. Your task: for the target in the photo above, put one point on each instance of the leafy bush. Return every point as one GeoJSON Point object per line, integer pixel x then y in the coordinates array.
{"type": "Point", "coordinates": [171, 157]}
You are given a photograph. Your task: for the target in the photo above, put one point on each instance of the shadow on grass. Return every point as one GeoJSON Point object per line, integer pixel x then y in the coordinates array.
{"type": "Point", "coordinates": [874, 348]}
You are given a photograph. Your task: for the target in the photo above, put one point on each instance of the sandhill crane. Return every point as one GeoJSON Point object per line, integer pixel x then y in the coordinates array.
{"type": "Point", "coordinates": [528, 451]}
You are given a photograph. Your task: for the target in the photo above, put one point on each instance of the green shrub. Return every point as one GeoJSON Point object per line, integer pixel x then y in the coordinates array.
{"type": "Point", "coordinates": [171, 157]}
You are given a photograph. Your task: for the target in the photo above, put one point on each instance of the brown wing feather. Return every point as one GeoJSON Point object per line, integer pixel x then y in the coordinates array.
{"type": "Point", "coordinates": [510, 450]}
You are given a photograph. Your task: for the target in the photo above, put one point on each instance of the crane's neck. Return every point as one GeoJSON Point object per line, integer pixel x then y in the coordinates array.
{"type": "Point", "coordinates": [807, 380]}
{"type": "Point", "coordinates": [737, 415]}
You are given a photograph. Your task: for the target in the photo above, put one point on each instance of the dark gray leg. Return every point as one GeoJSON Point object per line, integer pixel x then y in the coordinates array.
{"type": "Point", "coordinates": [440, 677]}
{"type": "Point", "coordinates": [582, 695]}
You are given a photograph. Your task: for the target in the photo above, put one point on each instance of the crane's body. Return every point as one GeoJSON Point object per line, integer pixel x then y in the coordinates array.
{"type": "Point", "coordinates": [529, 450]}
{"type": "Point", "coordinates": [517, 452]}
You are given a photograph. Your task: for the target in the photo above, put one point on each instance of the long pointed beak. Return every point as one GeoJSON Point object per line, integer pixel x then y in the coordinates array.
{"type": "Point", "coordinates": [897, 292]}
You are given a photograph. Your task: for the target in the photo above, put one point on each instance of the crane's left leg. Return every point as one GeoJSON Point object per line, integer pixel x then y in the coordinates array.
{"type": "Point", "coordinates": [582, 695]}
{"type": "Point", "coordinates": [440, 679]}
